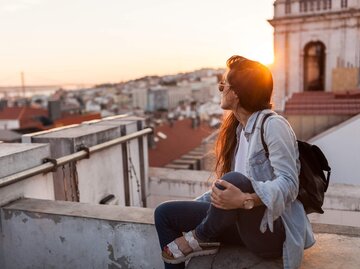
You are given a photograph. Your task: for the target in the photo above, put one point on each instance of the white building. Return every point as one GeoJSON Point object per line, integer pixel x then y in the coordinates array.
{"type": "Point", "coordinates": [139, 98]}
{"type": "Point", "coordinates": [316, 45]}
{"type": "Point", "coordinates": [205, 89]}
{"type": "Point", "coordinates": [177, 94]}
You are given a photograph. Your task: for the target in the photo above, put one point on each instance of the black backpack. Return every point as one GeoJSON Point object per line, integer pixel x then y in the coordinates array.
{"type": "Point", "coordinates": [313, 183]}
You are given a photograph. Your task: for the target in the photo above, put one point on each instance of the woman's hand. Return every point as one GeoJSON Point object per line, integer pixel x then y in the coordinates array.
{"type": "Point", "coordinates": [229, 198]}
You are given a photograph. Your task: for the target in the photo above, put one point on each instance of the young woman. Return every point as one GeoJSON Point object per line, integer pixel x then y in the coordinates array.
{"type": "Point", "coordinates": [253, 203]}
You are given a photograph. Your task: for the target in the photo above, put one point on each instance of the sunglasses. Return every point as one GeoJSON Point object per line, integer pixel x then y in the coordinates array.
{"type": "Point", "coordinates": [222, 86]}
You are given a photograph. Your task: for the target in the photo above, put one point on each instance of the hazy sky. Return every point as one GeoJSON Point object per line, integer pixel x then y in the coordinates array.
{"type": "Point", "coordinates": [96, 41]}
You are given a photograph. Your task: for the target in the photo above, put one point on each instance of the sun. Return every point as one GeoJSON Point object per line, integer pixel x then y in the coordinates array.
{"type": "Point", "coordinates": [261, 52]}
{"type": "Point", "coordinates": [263, 57]}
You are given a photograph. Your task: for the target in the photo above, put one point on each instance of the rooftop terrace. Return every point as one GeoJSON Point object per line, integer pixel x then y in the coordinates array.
{"type": "Point", "coordinates": [75, 198]}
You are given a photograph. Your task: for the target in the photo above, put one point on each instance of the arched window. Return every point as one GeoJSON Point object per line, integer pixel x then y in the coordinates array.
{"type": "Point", "coordinates": [314, 66]}
{"type": "Point", "coordinates": [344, 3]}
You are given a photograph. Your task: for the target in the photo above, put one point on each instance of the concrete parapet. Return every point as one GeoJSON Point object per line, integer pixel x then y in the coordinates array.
{"type": "Point", "coordinates": [119, 171]}
{"type": "Point", "coordinates": [64, 235]}
{"type": "Point", "coordinates": [77, 235]}
{"type": "Point", "coordinates": [173, 184]}
{"type": "Point", "coordinates": [342, 197]}
{"type": "Point", "coordinates": [330, 251]}
{"type": "Point", "coordinates": [167, 184]}
{"type": "Point", "coordinates": [16, 158]}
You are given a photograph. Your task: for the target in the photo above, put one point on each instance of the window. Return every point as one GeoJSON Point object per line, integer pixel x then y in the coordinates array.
{"type": "Point", "coordinates": [318, 4]}
{"type": "Point", "coordinates": [305, 6]}
{"type": "Point", "coordinates": [311, 5]}
{"type": "Point", "coordinates": [314, 66]}
{"type": "Point", "coordinates": [327, 4]}
{"type": "Point", "coordinates": [288, 6]}
{"type": "Point", "coordinates": [302, 4]}
{"type": "Point", "coordinates": [344, 3]}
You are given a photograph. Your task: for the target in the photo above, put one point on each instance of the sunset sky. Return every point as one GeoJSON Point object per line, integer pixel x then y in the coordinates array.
{"type": "Point", "coordinates": [94, 41]}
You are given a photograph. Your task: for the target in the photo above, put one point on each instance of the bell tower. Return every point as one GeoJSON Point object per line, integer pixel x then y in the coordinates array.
{"type": "Point", "coordinates": [316, 46]}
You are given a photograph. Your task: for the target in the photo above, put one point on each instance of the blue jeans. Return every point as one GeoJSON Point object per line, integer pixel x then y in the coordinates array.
{"type": "Point", "coordinates": [237, 226]}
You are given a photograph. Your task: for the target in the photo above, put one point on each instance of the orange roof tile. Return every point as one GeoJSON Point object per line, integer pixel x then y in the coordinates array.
{"type": "Point", "coordinates": [181, 138]}
{"type": "Point", "coordinates": [76, 119]}
{"type": "Point", "coordinates": [13, 113]}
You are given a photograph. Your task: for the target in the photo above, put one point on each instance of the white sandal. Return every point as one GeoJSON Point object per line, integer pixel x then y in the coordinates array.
{"type": "Point", "coordinates": [198, 249]}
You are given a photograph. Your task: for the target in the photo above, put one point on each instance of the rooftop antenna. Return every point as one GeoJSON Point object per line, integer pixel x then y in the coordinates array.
{"type": "Point", "coordinates": [23, 83]}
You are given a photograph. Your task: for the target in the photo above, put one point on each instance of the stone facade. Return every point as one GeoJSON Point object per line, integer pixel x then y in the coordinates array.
{"type": "Point", "coordinates": [344, 79]}
{"type": "Point", "coordinates": [311, 39]}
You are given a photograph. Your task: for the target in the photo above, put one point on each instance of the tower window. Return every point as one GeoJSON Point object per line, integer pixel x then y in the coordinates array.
{"type": "Point", "coordinates": [302, 3]}
{"type": "Point", "coordinates": [287, 7]}
{"type": "Point", "coordinates": [311, 5]}
{"type": "Point", "coordinates": [303, 6]}
{"type": "Point", "coordinates": [327, 4]}
{"type": "Point", "coordinates": [318, 4]}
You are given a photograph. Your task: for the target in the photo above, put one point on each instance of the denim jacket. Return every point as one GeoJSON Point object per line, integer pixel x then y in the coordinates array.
{"type": "Point", "coordinates": [275, 180]}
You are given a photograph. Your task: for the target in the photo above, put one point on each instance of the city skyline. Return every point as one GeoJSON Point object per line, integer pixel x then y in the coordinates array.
{"type": "Point", "coordinates": [74, 42]}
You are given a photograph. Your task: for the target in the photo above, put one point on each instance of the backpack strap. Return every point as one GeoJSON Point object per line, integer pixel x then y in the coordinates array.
{"type": "Point", "coordinates": [262, 133]}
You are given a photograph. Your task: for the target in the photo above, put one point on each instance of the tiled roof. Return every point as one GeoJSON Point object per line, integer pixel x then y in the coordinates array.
{"type": "Point", "coordinates": [13, 113]}
{"type": "Point", "coordinates": [28, 117]}
{"type": "Point", "coordinates": [323, 103]}
{"type": "Point", "coordinates": [180, 139]}
{"type": "Point", "coordinates": [76, 119]}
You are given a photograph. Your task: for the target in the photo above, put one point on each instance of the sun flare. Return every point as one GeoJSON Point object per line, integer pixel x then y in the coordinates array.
{"type": "Point", "coordinates": [263, 57]}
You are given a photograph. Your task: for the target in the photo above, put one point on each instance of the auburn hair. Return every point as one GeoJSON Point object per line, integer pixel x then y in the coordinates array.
{"type": "Point", "coordinates": [225, 144]}
{"type": "Point", "coordinates": [252, 83]}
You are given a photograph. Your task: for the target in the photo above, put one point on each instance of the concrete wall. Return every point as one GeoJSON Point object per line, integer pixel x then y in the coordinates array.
{"type": "Point", "coordinates": [344, 79]}
{"type": "Point", "coordinates": [67, 235]}
{"type": "Point", "coordinates": [101, 175]}
{"type": "Point", "coordinates": [307, 126]}
{"type": "Point", "coordinates": [15, 158]}
{"type": "Point", "coordinates": [120, 170]}
{"type": "Point", "coordinates": [171, 184]}
{"type": "Point", "coordinates": [341, 146]}
{"type": "Point", "coordinates": [9, 124]}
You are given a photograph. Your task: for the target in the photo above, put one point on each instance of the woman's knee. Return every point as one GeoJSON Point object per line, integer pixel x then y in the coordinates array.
{"type": "Point", "coordinates": [160, 212]}
{"type": "Point", "coordinates": [239, 180]}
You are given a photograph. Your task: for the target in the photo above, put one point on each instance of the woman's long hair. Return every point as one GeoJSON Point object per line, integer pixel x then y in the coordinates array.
{"type": "Point", "coordinates": [252, 83]}
{"type": "Point", "coordinates": [225, 144]}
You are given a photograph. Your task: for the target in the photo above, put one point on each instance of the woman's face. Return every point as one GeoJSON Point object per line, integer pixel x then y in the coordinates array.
{"type": "Point", "coordinates": [229, 100]}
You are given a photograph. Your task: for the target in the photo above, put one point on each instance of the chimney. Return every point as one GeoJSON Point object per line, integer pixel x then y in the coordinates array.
{"type": "Point", "coordinates": [54, 108]}
{"type": "Point", "coordinates": [3, 104]}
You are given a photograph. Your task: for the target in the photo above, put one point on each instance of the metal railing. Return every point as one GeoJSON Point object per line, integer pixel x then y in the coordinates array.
{"type": "Point", "coordinates": [51, 164]}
